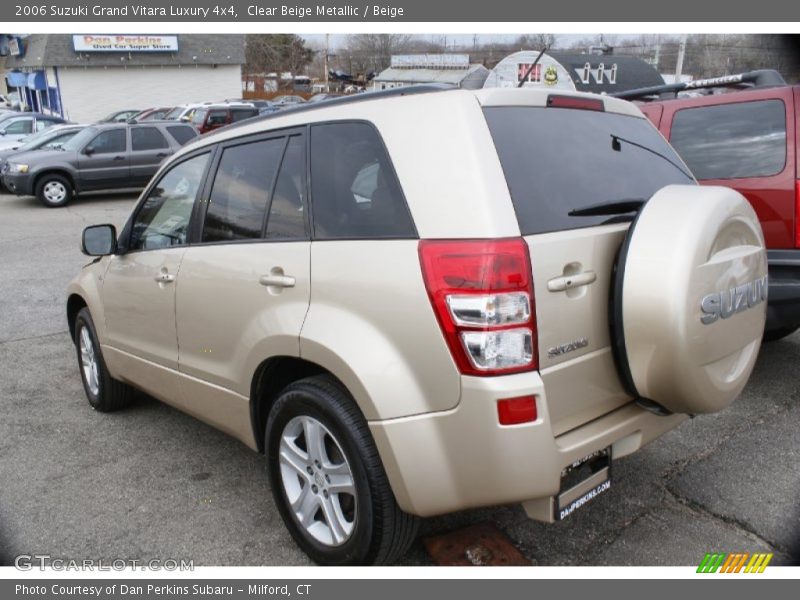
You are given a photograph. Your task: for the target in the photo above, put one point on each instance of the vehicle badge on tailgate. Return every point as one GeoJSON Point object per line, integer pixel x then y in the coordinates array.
{"type": "Point", "coordinates": [568, 347]}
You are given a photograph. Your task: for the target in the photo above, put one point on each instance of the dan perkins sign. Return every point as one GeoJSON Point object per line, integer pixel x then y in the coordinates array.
{"type": "Point", "coordinates": [125, 43]}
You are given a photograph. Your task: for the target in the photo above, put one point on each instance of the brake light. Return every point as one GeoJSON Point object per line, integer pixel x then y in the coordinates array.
{"type": "Point", "coordinates": [482, 295]}
{"type": "Point", "coordinates": [797, 215]}
{"type": "Point", "coordinates": [554, 101]}
{"type": "Point", "coordinates": [514, 411]}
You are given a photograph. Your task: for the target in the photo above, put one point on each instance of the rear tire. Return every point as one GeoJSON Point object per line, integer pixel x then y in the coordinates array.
{"type": "Point", "coordinates": [104, 393]}
{"type": "Point", "coordinates": [779, 334]}
{"type": "Point", "coordinates": [323, 462]}
{"type": "Point", "coordinates": [53, 191]}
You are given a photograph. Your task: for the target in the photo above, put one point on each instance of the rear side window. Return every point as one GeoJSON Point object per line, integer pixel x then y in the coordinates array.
{"type": "Point", "coordinates": [355, 193]}
{"type": "Point", "coordinates": [147, 138]}
{"type": "Point", "coordinates": [240, 114]}
{"type": "Point", "coordinates": [557, 159]}
{"type": "Point", "coordinates": [182, 133]}
{"type": "Point", "coordinates": [286, 216]}
{"type": "Point", "coordinates": [729, 141]}
{"type": "Point", "coordinates": [217, 117]}
{"type": "Point", "coordinates": [238, 201]}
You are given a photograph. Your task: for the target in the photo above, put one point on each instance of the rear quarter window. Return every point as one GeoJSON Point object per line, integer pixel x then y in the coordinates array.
{"type": "Point", "coordinates": [182, 133]}
{"type": "Point", "coordinates": [731, 141]}
{"type": "Point", "coordinates": [354, 191]}
{"type": "Point", "coordinates": [556, 160]}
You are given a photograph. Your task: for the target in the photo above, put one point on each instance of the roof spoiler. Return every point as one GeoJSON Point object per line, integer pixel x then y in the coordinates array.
{"type": "Point", "coordinates": [754, 79]}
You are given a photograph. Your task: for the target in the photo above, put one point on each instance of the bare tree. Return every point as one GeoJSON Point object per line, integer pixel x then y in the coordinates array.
{"type": "Point", "coordinates": [280, 53]}
{"type": "Point", "coordinates": [373, 51]}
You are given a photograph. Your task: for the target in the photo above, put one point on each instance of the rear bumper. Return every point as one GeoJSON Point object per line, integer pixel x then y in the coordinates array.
{"type": "Point", "coordinates": [462, 458]}
{"type": "Point", "coordinates": [783, 309]}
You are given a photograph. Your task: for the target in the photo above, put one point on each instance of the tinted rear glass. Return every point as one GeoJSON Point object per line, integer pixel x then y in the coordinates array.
{"type": "Point", "coordinates": [182, 133]}
{"type": "Point", "coordinates": [355, 193]}
{"type": "Point", "coordinates": [746, 139]}
{"type": "Point", "coordinates": [556, 160]}
{"type": "Point", "coordinates": [147, 138]}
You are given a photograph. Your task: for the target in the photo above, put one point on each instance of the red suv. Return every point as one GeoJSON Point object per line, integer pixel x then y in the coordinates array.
{"type": "Point", "coordinates": [746, 139]}
{"type": "Point", "coordinates": [214, 116]}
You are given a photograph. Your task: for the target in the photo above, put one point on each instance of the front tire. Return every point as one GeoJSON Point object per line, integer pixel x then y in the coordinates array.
{"type": "Point", "coordinates": [328, 480]}
{"type": "Point", "coordinates": [53, 190]}
{"type": "Point", "coordinates": [103, 392]}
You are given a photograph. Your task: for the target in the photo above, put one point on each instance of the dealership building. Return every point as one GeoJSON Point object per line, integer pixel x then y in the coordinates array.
{"type": "Point", "coordinates": [87, 76]}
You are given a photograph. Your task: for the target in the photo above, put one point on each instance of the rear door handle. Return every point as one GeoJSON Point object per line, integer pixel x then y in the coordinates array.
{"type": "Point", "coordinates": [162, 154]}
{"type": "Point", "coordinates": [284, 281]}
{"type": "Point", "coordinates": [568, 282]}
{"type": "Point", "coordinates": [165, 277]}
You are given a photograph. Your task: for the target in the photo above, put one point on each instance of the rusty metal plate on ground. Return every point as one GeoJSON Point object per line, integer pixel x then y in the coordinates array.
{"type": "Point", "coordinates": [482, 544]}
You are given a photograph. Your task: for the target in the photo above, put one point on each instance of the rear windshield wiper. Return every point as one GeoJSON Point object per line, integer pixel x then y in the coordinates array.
{"type": "Point", "coordinates": [612, 207]}
{"type": "Point", "coordinates": [615, 145]}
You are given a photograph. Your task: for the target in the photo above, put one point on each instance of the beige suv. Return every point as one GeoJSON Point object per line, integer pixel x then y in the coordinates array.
{"type": "Point", "coordinates": [422, 301]}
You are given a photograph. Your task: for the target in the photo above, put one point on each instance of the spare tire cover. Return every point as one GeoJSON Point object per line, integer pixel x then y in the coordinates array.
{"type": "Point", "coordinates": [689, 298]}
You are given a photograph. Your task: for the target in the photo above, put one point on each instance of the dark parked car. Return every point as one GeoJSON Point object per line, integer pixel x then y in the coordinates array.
{"type": "Point", "coordinates": [51, 138]}
{"type": "Point", "coordinates": [120, 116]}
{"type": "Point", "coordinates": [214, 116]}
{"type": "Point", "coordinates": [152, 114]}
{"type": "Point", "coordinates": [101, 157]}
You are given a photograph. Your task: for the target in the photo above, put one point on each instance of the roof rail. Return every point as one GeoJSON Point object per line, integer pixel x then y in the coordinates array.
{"type": "Point", "coordinates": [754, 79]}
{"type": "Point", "coordinates": [408, 90]}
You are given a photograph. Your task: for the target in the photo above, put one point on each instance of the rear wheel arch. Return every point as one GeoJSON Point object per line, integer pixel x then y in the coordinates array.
{"type": "Point", "coordinates": [270, 378]}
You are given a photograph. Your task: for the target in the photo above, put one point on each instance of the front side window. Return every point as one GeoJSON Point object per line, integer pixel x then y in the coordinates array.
{"type": "Point", "coordinates": [108, 142]}
{"type": "Point", "coordinates": [163, 219]}
{"type": "Point", "coordinates": [19, 127]}
{"type": "Point", "coordinates": [147, 138]}
{"type": "Point", "coordinates": [729, 141]}
{"type": "Point", "coordinates": [355, 193]}
{"type": "Point", "coordinates": [241, 190]}
{"type": "Point", "coordinates": [199, 116]}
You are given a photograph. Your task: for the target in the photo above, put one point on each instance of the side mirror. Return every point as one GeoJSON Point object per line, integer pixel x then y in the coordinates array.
{"type": "Point", "coordinates": [99, 240]}
{"type": "Point", "coordinates": [88, 151]}
{"type": "Point", "coordinates": [2, 132]}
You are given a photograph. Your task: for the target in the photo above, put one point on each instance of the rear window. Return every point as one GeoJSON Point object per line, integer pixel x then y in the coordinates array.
{"type": "Point", "coordinates": [182, 133]}
{"type": "Point", "coordinates": [556, 160]}
{"type": "Point", "coordinates": [729, 141]}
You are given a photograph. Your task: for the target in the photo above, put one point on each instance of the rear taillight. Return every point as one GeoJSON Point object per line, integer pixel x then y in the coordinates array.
{"type": "Point", "coordinates": [482, 295]}
{"type": "Point", "coordinates": [797, 215]}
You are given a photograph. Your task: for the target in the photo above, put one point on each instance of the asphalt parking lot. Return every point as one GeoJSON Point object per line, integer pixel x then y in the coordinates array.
{"type": "Point", "coordinates": [153, 483]}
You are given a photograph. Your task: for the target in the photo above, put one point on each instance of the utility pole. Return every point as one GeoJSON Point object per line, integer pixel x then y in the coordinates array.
{"type": "Point", "coordinates": [327, 50]}
{"type": "Point", "coordinates": [681, 54]}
